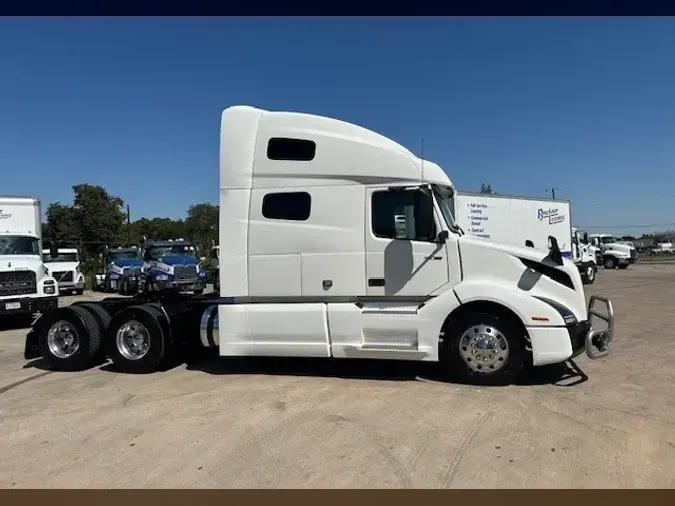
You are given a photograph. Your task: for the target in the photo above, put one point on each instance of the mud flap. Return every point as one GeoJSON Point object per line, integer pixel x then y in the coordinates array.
{"type": "Point", "coordinates": [31, 350]}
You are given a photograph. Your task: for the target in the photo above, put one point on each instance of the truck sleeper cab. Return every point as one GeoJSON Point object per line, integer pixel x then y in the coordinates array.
{"type": "Point", "coordinates": [338, 242]}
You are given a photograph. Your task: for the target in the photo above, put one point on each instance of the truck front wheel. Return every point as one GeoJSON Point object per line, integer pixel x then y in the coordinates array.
{"type": "Point", "coordinates": [609, 262]}
{"type": "Point", "coordinates": [483, 349]}
{"type": "Point", "coordinates": [588, 275]}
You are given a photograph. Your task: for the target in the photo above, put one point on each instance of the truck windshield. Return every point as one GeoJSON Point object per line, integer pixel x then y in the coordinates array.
{"type": "Point", "coordinates": [19, 245]}
{"type": "Point", "coordinates": [607, 239]}
{"type": "Point", "coordinates": [446, 201]}
{"type": "Point", "coordinates": [122, 255]}
{"type": "Point", "coordinates": [157, 252]}
{"type": "Point", "coordinates": [63, 257]}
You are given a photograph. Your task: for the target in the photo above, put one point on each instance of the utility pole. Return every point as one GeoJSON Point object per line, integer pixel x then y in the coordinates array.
{"type": "Point", "coordinates": [128, 226]}
{"type": "Point", "coordinates": [552, 191]}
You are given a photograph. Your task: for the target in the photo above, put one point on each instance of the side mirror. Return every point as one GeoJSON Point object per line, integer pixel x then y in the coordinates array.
{"type": "Point", "coordinates": [53, 249]}
{"type": "Point", "coordinates": [442, 236]}
{"type": "Point", "coordinates": [554, 250]}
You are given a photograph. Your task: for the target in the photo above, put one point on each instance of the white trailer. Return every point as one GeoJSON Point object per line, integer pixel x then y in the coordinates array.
{"type": "Point", "coordinates": [25, 286]}
{"type": "Point", "coordinates": [525, 221]}
{"type": "Point", "coordinates": [338, 242]}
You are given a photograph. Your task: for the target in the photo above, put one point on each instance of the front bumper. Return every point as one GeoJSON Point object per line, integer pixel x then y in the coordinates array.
{"type": "Point", "coordinates": [28, 305]}
{"type": "Point", "coordinates": [594, 341]}
{"type": "Point", "coordinates": [69, 285]}
{"type": "Point", "coordinates": [186, 284]}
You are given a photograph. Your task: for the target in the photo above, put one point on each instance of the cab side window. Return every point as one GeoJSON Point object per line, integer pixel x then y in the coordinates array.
{"type": "Point", "coordinates": [403, 214]}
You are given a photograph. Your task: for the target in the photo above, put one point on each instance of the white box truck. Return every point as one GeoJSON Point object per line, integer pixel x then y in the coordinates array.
{"type": "Point", "coordinates": [337, 242]}
{"type": "Point", "coordinates": [526, 221]}
{"type": "Point", "coordinates": [25, 286]}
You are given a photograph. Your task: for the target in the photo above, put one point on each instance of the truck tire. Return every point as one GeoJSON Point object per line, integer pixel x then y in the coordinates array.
{"type": "Point", "coordinates": [103, 318]}
{"type": "Point", "coordinates": [136, 342]}
{"type": "Point", "coordinates": [79, 292]}
{"type": "Point", "coordinates": [609, 262]}
{"type": "Point", "coordinates": [588, 274]}
{"type": "Point", "coordinates": [483, 349]}
{"type": "Point", "coordinates": [69, 338]}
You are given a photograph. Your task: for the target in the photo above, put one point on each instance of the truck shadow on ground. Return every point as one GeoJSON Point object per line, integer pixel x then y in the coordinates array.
{"type": "Point", "coordinates": [564, 375]}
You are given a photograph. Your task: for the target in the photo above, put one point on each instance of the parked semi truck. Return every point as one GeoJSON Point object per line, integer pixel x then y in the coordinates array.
{"type": "Point", "coordinates": [65, 268]}
{"type": "Point", "coordinates": [525, 221]}
{"type": "Point", "coordinates": [611, 253]}
{"type": "Point", "coordinates": [390, 276]}
{"type": "Point", "coordinates": [120, 266]}
{"type": "Point", "coordinates": [26, 288]}
{"type": "Point", "coordinates": [172, 264]}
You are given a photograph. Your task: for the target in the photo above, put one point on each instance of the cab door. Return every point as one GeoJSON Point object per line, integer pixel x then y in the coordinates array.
{"type": "Point", "coordinates": [403, 257]}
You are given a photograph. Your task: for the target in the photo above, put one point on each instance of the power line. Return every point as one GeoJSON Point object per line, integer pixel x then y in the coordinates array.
{"type": "Point", "coordinates": [654, 225]}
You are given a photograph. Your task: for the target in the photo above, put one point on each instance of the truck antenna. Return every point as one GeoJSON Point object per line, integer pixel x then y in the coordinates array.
{"type": "Point", "coordinates": [422, 159]}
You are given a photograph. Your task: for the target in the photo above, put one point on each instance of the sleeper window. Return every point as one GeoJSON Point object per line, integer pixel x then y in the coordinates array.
{"type": "Point", "coordinates": [293, 206]}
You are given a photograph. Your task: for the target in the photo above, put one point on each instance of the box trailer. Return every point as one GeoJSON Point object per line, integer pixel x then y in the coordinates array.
{"type": "Point", "coordinates": [526, 221]}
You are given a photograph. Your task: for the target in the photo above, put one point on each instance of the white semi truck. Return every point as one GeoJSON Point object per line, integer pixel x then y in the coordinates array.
{"type": "Point", "coordinates": [388, 276]}
{"type": "Point", "coordinates": [65, 268]}
{"type": "Point", "coordinates": [25, 286]}
{"type": "Point", "coordinates": [524, 221]}
{"type": "Point", "coordinates": [611, 253]}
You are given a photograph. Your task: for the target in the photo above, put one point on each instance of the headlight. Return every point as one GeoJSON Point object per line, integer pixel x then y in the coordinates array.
{"type": "Point", "coordinates": [162, 277]}
{"type": "Point", "coordinates": [50, 289]}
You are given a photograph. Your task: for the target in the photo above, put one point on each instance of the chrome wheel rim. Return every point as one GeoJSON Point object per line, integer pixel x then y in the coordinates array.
{"type": "Point", "coordinates": [590, 272]}
{"type": "Point", "coordinates": [483, 348]}
{"type": "Point", "coordinates": [62, 339]}
{"type": "Point", "coordinates": [133, 340]}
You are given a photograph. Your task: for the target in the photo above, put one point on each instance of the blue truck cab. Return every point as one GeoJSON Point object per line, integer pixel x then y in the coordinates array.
{"type": "Point", "coordinates": [172, 264]}
{"type": "Point", "coordinates": [120, 266]}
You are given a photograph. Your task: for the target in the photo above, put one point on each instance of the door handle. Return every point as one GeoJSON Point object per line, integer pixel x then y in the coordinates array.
{"type": "Point", "coordinates": [432, 257]}
{"type": "Point", "coordinates": [376, 282]}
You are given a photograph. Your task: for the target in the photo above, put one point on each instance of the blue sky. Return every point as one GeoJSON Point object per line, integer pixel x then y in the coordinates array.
{"type": "Point", "coordinates": [585, 105]}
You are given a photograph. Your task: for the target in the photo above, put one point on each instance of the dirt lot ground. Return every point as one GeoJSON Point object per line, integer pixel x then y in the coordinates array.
{"type": "Point", "coordinates": [232, 423]}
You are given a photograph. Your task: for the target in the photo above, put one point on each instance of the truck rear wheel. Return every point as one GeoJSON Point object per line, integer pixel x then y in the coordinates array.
{"type": "Point", "coordinates": [483, 349]}
{"type": "Point", "coordinates": [103, 319]}
{"type": "Point", "coordinates": [588, 275]}
{"type": "Point", "coordinates": [69, 338]}
{"type": "Point", "coordinates": [136, 341]}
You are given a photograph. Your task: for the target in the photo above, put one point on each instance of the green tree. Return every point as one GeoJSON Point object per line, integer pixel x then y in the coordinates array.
{"type": "Point", "coordinates": [60, 224]}
{"type": "Point", "coordinates": [97, 217]}
{"type": "Point", "coordinates": [486, 188]}
{"type": "Point", "coordinates": [155, 229]}
{"type": "Point", "coordinates": [201, 225]}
